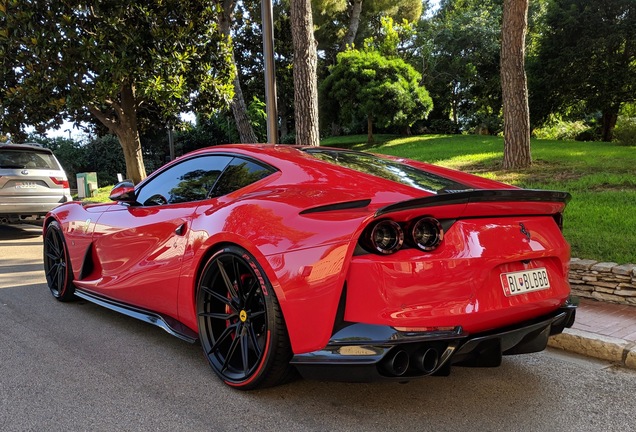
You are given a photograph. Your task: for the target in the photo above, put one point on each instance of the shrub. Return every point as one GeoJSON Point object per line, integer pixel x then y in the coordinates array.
{"type": "Point", "coordinates": [557, 129]}
{"type": "Point", "coordinates": [625, 131]}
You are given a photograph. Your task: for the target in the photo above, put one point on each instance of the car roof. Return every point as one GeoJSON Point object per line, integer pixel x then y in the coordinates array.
{"type": "Point", "coordinates": [26, 146]}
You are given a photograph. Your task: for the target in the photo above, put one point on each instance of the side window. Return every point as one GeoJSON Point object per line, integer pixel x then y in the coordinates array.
{"type": "Point", "coordinates": [190, 180]}
{"type": "Point", "coordinates": [238, 174]}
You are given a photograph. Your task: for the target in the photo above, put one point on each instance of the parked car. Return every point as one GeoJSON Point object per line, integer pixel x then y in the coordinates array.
{"type": "Point", "coordinates": [338, 264]}
{"type": "Point", "coordinates": [32, 183]}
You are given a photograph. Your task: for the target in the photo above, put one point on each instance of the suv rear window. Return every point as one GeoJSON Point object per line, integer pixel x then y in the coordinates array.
{"type": "Point", "coordinates": [19, 159]}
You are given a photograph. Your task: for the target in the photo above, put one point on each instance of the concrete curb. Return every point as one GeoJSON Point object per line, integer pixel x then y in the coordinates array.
{"type": "Point", "coordinates": [591, 344]}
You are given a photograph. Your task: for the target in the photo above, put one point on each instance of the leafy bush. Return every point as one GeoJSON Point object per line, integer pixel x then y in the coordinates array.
{"type": "Point", "coordinates": [558, 129]}
{"type": "Point", "coordinates": [625, 131]}
{"type": "Point", "coordinates": [486, 124]}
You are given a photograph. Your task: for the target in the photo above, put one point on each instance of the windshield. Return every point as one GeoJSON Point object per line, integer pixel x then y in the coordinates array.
{"type": "Point", "coordinates": [15, 158]}
{"type": "Point", "coordinates": [388, 169]}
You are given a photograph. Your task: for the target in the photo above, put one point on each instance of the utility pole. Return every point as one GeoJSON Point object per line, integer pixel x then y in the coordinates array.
{"type": "Point", "coordinates": [171, 142]}
{"type": "Point", "coordinates": [270, 76]}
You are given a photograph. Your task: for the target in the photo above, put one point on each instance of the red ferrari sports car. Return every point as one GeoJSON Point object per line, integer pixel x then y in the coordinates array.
{"type": "Point", "coordinates": [338, 264]}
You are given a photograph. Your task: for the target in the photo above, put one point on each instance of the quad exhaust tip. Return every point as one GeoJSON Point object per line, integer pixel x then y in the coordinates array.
{"type": "Point", "coordinates": [427, 360]}
{"type": "Point", "coordinates": [397, 363]}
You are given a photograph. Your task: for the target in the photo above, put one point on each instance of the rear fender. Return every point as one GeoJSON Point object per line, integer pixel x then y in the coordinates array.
{"type": "Point", "coordinates": [78, 224]}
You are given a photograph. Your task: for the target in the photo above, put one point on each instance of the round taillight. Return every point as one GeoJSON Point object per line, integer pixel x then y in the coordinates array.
{"type": "Point", "coordinates": [427, 233]}
{"type": "Point", "coordinates": [386, 237]}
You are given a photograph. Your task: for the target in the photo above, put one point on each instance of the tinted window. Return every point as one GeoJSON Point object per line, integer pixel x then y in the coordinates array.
{"type": "Point", "coordinates": [190, 180]}
{"type": "Point", "coordinates": [238, 174]}
{"type": "Point", "coordinates": [10, 158]}
{"type": "Point", "coordinates": [388, 169]}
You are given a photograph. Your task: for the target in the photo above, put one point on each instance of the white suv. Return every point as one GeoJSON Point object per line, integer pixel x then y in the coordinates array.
{"type": "Point", "coordinates": [32, 182]}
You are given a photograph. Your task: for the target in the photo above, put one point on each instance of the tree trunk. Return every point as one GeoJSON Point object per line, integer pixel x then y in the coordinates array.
{"type": "Point", "coordinates": [610, 116]}
{"type": "Point", "coordinates": [131, 145]}
{"type": "Point", "coordinates": [123, 123]}
{"type": "Point", "coordinates": [305, 78]}
{"type": "Point", "coordinates": [514, 85]}
{"type": "Point", "coordinates": [354, 23]}
{"type": "Point", "coordinates": [370, 139]}
{"type": "Point", "coordinates": [239, 108]}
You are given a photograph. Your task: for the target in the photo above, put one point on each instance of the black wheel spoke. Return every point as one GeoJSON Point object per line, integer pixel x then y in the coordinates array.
{"type": "Point", "coordinates": [219, 316]}
{"type": "Point", "coordinates": [256, 314]}
{"type": "Point", "coordinates": [254, 340]}
{"type": "Point", "coordinates": [219, 297]}
{"type": "Point", "coordinates": [227, 332]}
{"type": "Point", "coordinates": [252, 290]}
{"type": "Point", "coordinates": [245, 352]}
{"type": "Point", "coordinates": [60, 278]}
{"type": "Point", "coordinates": [237, 275]}
{"type": "Point", "coordinates": [231, 350]}
{"type": "Point", "coordinates": [51, 270]}
{"type": "Point", "coordinates": [228, 283]}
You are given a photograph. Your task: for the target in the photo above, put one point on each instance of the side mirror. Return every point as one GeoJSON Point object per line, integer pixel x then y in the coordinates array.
{"type": "Point", "coordinates": [124, 192]}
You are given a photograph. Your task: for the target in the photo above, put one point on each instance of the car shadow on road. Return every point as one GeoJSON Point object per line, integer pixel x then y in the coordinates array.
{"type": "Point", "coordinates": [16, 232]}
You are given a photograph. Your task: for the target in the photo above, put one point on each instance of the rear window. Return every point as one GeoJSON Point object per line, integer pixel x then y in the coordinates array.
{"type": "Point", "coordinates": [20, 159]}
{"type": "Point", "coordinates": [388, 169]}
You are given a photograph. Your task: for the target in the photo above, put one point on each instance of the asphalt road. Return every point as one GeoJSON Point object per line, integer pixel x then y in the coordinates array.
{"type": "Point", "coordinates": [78, 367]}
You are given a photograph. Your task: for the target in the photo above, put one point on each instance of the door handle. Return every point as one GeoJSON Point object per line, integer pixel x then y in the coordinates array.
{"type": "Point", "coordinates": [180, 230]}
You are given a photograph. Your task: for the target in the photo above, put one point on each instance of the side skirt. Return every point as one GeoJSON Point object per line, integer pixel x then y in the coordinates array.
{"type": "Point", "coordinates": [170, 325]}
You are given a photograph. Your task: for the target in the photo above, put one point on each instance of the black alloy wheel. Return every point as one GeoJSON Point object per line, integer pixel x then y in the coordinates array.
{"type": "Point", "coordinates": [240, 324]}
{"type": "Point", "coordinates": [57, 267]}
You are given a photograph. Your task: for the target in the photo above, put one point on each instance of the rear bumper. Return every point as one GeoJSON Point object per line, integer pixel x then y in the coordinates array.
{"type": "Point", "coordinates": [30, 210]}
{"type": "Point", "coordinates": [363, 353]}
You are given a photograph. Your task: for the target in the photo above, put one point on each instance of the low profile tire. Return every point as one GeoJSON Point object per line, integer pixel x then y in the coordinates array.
{"type": "Point", "coordinates": [57, 266]}
{"type": "Point", "coordinates": [241, 327]}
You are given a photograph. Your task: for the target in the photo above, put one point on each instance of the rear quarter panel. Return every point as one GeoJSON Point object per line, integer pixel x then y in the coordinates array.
{"type": "Point", "coordinates": [304, 257]}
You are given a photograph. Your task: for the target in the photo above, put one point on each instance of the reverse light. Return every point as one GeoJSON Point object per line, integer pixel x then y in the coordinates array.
{"type": "Point", "coordinates": [427, 233]}
{"type": "Point", "coordinates": [61, 182]}
{"type": "Point", "coordinates": [385, 237]}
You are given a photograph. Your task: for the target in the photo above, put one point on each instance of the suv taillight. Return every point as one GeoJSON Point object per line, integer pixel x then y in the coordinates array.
{"type": "Point", "coordinates": [60, 182]}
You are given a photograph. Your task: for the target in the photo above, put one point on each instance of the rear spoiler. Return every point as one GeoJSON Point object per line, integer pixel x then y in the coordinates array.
{"type": "Point", "coordinates": [481, 195]}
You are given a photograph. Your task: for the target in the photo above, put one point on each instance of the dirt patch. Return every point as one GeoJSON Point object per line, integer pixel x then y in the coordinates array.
{"type": "Point", "coordinates": [540, 172]}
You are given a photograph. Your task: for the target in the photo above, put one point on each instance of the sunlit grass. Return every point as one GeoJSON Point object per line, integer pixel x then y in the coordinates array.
{"type": "Point", "coordinates": [101, 195]}
{"type": "Point", "coordinates": [600, 221]}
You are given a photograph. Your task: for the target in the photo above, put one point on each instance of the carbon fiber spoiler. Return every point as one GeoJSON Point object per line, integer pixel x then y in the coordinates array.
{"type": "Point", "coordinates": [481, 195]}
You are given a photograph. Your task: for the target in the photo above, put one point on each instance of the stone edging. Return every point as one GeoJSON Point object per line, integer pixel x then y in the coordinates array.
{"type": "Point", "coordinates": [605, 281]}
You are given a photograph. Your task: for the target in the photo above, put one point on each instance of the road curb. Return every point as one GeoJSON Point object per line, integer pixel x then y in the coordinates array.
{"type": "Point", "coordinates": [590, 344]}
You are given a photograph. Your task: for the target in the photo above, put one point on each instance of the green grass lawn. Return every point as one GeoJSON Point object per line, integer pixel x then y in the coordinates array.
{"type": "Point", "coordinates": [101, 195]}
{"type": "Point", "coordinates": [600, 221]}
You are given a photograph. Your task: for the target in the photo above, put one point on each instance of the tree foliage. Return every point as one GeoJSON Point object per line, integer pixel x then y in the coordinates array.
{"type": "Point", "coordinates": [366, 84]}
{"type": "Point", "coordinates": [586, 60]}
{"type": "Point", "coordinates": [458, 49]}
{"type": "Point", "coordinates": [111, 58]}
{"type": "Point", "coordinates": [333, 21]}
